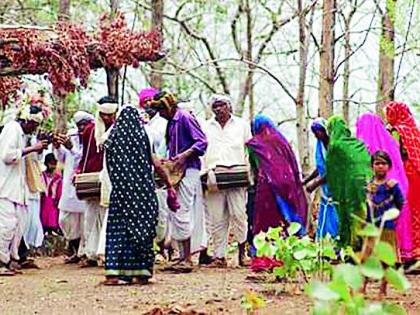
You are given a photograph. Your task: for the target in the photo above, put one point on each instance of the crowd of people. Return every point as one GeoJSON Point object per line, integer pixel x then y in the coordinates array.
{"type": "Point", "coordinates": [134, 181]}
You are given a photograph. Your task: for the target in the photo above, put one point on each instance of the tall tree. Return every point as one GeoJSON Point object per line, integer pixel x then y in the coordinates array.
{"type": "Point", "coordinates": [326, 71]}
{"type": "Point", "coordinates": [386, 74]}
{"type": "Point", "coordinates": [61, 108]}
{"type": "Point", "coordinates": [112, 74]}
{"type": "Point", "coordinates": [157, 6]}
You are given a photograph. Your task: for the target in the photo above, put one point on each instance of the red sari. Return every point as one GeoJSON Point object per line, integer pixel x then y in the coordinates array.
{"type": "Point", "coordinates": [400, 117]}
{"type": "Point", "coordinates": [50, 199]}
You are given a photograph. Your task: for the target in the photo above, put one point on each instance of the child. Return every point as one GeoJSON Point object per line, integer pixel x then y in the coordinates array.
{"type": "Point", "coordinates": [383, 194]}
{"type": "Point", "coordinates": [49, 200]}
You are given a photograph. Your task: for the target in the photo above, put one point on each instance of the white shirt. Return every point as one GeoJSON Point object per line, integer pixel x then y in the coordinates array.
{"type": "Point", "coordinates": [12, 164]}
{"type": "Point", "coordinates": [226, 146]}
{"type": "Point", "coordinates": [156, 130]}
{"type": "Point", "coordinates": [71, 159]}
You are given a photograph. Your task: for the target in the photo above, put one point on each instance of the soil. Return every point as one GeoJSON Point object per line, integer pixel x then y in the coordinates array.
{"type": "Point", "coordinates": [57, 288]}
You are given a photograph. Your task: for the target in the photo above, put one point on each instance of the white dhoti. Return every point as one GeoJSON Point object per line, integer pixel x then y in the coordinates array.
{"type": "Point", "coordinates": [189, 220]}
{"type": "Point", "coordinates": [163, 226]}
{"type": "Point", "coordinates": [227, 208]}
{"type": "Point", "coordinates": [94, 218]}
{"type": "Point", "coordinates": [12, 226]}
{"type": "Point", "coordinates": [72, 226]}
{"type": "Point", "coordinates": [102, 236]}
{"type": "Point", "coordinates": [34, 233]}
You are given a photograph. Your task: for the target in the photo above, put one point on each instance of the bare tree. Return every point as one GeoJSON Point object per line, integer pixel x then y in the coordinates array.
{"type": "Point", "coordinates": [326, 71]}
{"type": "Point", "coordinates": [157, 6]}
{"type": "Point", "coordinates": [112, 74]}
{"type": "Point", "coordinates": [386, 74]}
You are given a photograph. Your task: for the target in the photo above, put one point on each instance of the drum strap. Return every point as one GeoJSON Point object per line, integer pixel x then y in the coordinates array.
{"type": "Point", "coordinates": [88, 150]}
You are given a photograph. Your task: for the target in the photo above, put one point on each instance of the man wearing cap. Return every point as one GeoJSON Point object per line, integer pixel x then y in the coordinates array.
{"type": "Point", "coordinates": [186, 143]}
{"type": "Point", "coordinates": [13, 193]}
{"type": "Point", "coordinates": [93, 138]}
{"type": "Point", "coordinates": [68, 150]}
{"type": "Point", "coordinates": [227, 135]}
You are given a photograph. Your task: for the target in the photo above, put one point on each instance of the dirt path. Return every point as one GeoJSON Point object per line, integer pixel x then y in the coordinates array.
{"type": "Point", "coordinates": [65, 289]}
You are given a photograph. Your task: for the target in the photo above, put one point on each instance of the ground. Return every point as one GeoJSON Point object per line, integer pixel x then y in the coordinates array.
{"type": "Point", "coordinates": [67, 289]}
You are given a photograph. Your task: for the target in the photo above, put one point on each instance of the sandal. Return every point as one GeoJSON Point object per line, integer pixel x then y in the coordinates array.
{"type": "Point", "coordinates": [115, 282]}
{"type": "Point", "coordinates": [5, 272]}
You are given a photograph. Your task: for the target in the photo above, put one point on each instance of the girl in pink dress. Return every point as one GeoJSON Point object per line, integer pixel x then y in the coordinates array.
{"type": "Point", "coordinates": [49, 200]}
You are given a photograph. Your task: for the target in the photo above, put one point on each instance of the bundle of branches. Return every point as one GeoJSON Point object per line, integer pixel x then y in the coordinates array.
{"type": "Point", "coordinates": [66, 53]}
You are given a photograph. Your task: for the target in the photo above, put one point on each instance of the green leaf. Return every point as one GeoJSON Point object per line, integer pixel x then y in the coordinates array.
{"type": "Point", "coordinates": [373, 309]}
{"type": "Point", "coordinates": [321, 308]}
{"type": "Point", "coordinates": [372, 268]}
{"type": "Point", "coordinates": [390, 215]}
{"type": "Point", "coordinates": [274, 233]}
{"type": "Point", "coordinates": [321, 291]}
{"type": "Point", "coordinates": [300, 254]}
{"type": "Point", "coordinates": [259, 240]}
{"type": "Point", "coordinates": [397, 279]}
{"type": "Point", "coordinates": [329, 252]}
{"type": "Point", "coordinates": [394, 309]}
{"type": "Point", "coordinates": [293, 228]}
{"type": "Point", "coordinates": [350, 274]}
{"type": "Point", "coordinates": [339, 286]}
{"type": "Point", "coordinates": [385, 253]}
{"type": "Point", "coordinates": [279, 272]}
{"type": "Point", "coordinates": [370, 230]}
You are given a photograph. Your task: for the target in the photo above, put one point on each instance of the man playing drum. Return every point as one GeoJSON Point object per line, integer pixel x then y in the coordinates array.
{"type": "Point", "coordinates": [227, 135]}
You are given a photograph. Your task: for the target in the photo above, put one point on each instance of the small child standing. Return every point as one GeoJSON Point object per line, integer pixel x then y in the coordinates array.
{"type": "Point", "coordinates": [383, 194]}
{"type": "Point", "coordinates": [49, 200]}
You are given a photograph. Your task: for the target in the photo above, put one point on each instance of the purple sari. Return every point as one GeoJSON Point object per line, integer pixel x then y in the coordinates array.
{"type": "Point", "coordinates": [371, 130]}
{"type": "Point", "coordinates": [280, 198]}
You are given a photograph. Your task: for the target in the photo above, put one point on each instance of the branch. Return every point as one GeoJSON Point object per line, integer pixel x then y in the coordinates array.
{"type": "Point", "coordinates": [233, 29]}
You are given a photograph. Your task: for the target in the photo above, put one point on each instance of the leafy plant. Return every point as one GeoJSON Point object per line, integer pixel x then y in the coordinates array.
{"type": "Point", "coordinates": [343, 294]}
{"type": "Point", "coordinates": [252, 302]}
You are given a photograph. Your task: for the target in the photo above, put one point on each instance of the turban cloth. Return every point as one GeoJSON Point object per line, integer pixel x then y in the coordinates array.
{"type": "Point", "coordinates": [146, 95]}
{"type": "Point", "coordinates": [82, 116]}
{"type": "Point", "coordinates": [30, 113]}
{"type": "Point", "coordinates": [219, 98]}
{"type": "Point", "coordinates": [163, 100]}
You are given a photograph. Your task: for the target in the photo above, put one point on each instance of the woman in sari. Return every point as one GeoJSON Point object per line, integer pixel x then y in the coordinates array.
{"type": "Point", "coordinates": [406, 131]}
{"type": "Point", "coordinates": [327, 214]}
{"type": "Point", "coordinates": [347, 172]}
{"type": "Point", "coordinates": [133, 208]}
{"type": "Point", "coordinates": [372, 131]}
{"type": "Point", "coordinates": [279, 198]}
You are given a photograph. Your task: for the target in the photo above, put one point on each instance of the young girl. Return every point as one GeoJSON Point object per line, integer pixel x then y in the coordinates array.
{"type": "Point", "coordinates": [383, 194]}
{"type": "Point", "coordinates": [49, 200]}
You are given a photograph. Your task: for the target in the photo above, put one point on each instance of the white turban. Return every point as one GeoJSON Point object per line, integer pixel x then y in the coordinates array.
{"type": "Point", "coordinates": [100, 130]}
{"type": "Point", "coordinates": [24, 113]}
{"type": "Point", "coordinates": [108, 108]}
{"type": "Point", "coordinates": [220, 98]}
{"type": "Point", "coordinates": [82, 115]}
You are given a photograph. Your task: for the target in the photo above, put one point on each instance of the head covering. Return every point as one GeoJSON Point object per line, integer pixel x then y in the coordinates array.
{"type": "Point", "coordinates": [372, 131]}
{"type": "Point", "coordinates": [319, 124]}
{"type": "Point", "coordinates": [220, 98]}
{"type": "Point", "coordinates": [348, 170]}
{"type": "Point", "coordinates": [100, 128]}
{"type": "Point", "coordinates": [399, 117]}
{"type": "Point", "coordinates": [30, 113]}
{"type": "Point", "coordinates": [280, 195]}
{"type": "Point", "coordinates": [82, 116]}
{"type": "Point", "coordinates": [145, 94]}
{"type": "Point", "coordinates": [129, 163]}
{"type": "Point", "coordinates": [163, 100]}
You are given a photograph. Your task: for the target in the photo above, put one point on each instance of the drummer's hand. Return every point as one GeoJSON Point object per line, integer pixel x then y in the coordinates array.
{"type": "Point", "coordinates": [181, 159]}
{"type": "Point", "coordinates": [172, 200]}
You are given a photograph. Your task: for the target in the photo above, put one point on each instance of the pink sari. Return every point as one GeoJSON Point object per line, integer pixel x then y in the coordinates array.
{"type": "Point", "coordinates": [50, 199]}
{"type": "Point", "coordinates": [371, 130]}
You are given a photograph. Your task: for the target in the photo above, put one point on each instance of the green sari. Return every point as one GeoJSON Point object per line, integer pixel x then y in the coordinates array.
{"type": "Point", "coordinates": [348, 170]}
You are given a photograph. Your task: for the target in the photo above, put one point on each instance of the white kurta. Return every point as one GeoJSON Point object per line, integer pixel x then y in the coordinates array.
{"type": "Point", "coordinates": [227, 208]}
{"type": "Point", "coordinates": [13, 198]}
{"type": "Point", "coordinates": [71, 217]}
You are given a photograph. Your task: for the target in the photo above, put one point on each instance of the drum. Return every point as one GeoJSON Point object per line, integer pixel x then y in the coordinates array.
{"type": "Point", "coordinates": [87, 185]}
{"type": "Point", "coordinates": [175, 175]}
{"type": "Point", "coordinates": [226, 177]}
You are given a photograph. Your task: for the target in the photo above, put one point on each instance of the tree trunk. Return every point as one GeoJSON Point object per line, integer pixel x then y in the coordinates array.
{"type": "Point", "coordinates": [386, 57]}
{"type": "Point", "coordinates": [347, 56]}
{"type": "Point", "coordinates": [112, 74]}
{"type": "Point", "coordinates": [326, 71]}
{"type": "Point", "coordinates": [156, 78]}
{"type": "Point", "coordinates": [302, 122]}
{"type": "Point", "coordinates": [61, 109]}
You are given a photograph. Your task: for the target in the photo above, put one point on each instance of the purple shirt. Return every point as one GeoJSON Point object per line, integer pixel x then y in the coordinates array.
{"type": "Point", "coordinates": [184, 132]}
